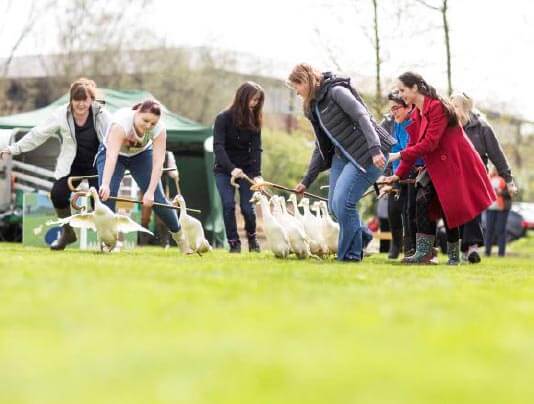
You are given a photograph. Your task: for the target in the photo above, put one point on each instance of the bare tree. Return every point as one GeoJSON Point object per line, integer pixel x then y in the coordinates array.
{"type": "Point", "coordinates": [375, 39]}
{"type": "Point", "coordinates": [443, 9]}
{"type": "Point", "coordinates": [37, 11]}
{"type": "Point", "coordinates": [378, 61]}
{"type": "Point", "coordinates": [101, 47]}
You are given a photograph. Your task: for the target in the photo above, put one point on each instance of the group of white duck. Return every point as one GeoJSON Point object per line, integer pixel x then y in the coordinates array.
{"type": "Point", "coordinates": [108, 224]}
{"type": "Point", "coordinates": [303, 234]}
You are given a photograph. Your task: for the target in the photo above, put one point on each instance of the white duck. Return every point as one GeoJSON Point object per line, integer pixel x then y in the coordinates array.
{"type": "Point", "coordinates": [330, 229]}
{"type": "Point", "coordinates": [103, 221]}
{"type": "Point", "coordinates": [298, 240]}
{"type": "Point", "coordinates": [291, 217]}
{"type": "Point", "coordinates": [317, 210]}
{"type": "Point", "coordinates": [194, 240]}
{"type": "Point", "coordinates": [296, 212]}
{"type": "Point", "coordinates": [275, 233]}
{"type": "Point", "coordinates": [313, 230]}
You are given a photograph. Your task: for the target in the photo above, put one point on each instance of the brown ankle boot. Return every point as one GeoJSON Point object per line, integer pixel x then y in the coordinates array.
{"type": "Point", "coordinates": [68, 236]}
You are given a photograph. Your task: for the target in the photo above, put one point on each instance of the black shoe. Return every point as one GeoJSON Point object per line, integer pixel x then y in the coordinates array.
{"type": "Point", "coordinates": [474, 257]}
{"type": "Point", "coordinates": [235, 247]}
{"type": "Point", "coordinates": [68, 236]}
{"type": "Point", "coordinates": [253, 245]}
{"type": "Point", "coordinates": [394, 252]}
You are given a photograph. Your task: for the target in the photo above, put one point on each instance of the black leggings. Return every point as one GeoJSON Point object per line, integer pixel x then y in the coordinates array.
{"type": "Point", "coordinates": [401, 211]}
{"type": "Point", "coordinates": [424, 198]}
{"type": "Point", "coordinates": [60, 193]}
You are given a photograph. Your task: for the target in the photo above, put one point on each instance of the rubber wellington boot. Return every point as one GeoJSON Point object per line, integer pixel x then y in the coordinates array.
{"type": "Point", "coordinates": [453, 251]}
{"type": "Point", "coordinates": [424, 250]}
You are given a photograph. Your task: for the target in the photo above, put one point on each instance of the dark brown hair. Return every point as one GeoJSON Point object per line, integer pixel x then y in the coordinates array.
{"type": "Point", "coordinates": [81, 89]}
{"type": "Point", "coordinates": [150, 106]}
{"type": "Point", "coordinates": [243, 117]}
{"type": "Point", "coordinates": [410, 79]}
{"type": "Point", "coordinates": [396, 98]}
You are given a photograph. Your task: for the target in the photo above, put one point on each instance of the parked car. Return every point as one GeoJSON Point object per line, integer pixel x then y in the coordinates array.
{"type": "Point", "coordinates": [526, 210]}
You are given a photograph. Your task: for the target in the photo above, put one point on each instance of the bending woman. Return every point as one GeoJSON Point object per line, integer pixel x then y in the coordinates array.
{"type": "Point", "coordinates": [136, 141]}
{"type": "Point", "coordinates": [348, 142]}
{"type": "Point", "coordinates": [455, 184]}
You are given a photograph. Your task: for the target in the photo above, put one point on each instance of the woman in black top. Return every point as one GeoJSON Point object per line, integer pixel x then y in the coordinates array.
{"type": "Point", "coordinates": [80, 127]}
{"type": "Point", "coordinates": [237, 148]}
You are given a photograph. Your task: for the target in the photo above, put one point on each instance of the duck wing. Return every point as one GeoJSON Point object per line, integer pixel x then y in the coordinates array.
{"type": "Point", "coordinates": [127, 225]}
{"type": "Point", "coordinates": [80, 220]}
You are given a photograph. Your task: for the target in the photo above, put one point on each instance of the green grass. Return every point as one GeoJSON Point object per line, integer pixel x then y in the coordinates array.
{"type": "Point", "coordinates": [151, 326]}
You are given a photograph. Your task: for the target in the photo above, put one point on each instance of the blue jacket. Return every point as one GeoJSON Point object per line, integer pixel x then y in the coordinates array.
{"type": "Point", "coordinates": [398, 131]}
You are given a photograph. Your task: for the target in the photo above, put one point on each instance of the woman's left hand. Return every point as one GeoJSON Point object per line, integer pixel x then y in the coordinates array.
{"type": "Point", "coordinates": [394, 156]}
{"type": "Point", "coordinates": [148, 199]}
{"type": "Point", "coordinates": [379, 160]}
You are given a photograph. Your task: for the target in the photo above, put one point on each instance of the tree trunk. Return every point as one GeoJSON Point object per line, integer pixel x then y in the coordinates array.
{"type": "Point", "coordinates": [447, 45]}
{"type": "Point", "coordinates": [378, 90]}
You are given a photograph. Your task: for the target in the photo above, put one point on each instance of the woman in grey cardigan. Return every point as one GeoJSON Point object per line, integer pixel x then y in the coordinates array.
{"type": "Point", "coordinates": [488, 147]}
{"type": "Point", "coordinates": [348, 142]}
{"type": "Point", "coordinates": [80, 127]}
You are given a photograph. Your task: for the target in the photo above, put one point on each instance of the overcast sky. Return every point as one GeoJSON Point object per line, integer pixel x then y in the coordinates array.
{"type": "Point", "coordinates": [492, 41]}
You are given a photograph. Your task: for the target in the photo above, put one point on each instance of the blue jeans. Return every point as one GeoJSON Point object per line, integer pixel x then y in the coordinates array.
{"type": "Point", "coordinates": [347, 185]}
{"type": "Point", "coordinates": [140, 167]}
{"type": "Point", "coordinates": [227, 193]}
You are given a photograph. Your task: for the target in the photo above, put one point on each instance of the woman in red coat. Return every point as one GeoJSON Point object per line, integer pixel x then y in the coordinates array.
{"type": "Point", "coordinates": [456, 186]}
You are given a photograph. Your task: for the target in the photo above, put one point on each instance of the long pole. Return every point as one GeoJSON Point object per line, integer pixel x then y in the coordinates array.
{"type": "Point", "coordinates": [86, 177]}
{"type": "Point", "coordinates": [163, 205]}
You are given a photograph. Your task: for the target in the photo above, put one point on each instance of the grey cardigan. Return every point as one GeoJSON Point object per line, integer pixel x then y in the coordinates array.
{"type": "Point", "coordinates": [61, 125]}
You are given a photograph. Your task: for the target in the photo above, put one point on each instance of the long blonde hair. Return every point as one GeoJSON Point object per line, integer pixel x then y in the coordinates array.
{"type": "Point", "coordinates": [304, 73]}
{"type": "Point", "coordinates": [466, 106]}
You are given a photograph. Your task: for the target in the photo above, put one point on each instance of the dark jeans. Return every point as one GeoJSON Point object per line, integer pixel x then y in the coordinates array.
{"type": "Point", "coordinates": [496, 228]}
{"type": "Point", "coordinates": [227, 193]}
{"type": "Point", "coordinates": [140, 167]}
{"type": "Point", "coordinates": [401, 212]}
{"type": "Point", "coordinates": [425, 225]}
{"type": "Point", "coordinates": [472, 234]}
{"type": "Point", "coordinates": [60, 192]}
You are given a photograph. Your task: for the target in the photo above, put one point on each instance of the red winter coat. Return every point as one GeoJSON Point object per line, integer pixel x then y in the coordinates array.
{"type": "Point", "coordinates": [455, 168]}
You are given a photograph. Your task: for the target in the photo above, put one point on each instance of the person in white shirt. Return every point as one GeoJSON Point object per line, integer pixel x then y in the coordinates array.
{"type": "Point", "coordinates": [136, 141]}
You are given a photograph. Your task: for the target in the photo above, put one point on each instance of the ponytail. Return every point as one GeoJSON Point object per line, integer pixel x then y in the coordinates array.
{"type": "Point", "coordinates": [410, 79]}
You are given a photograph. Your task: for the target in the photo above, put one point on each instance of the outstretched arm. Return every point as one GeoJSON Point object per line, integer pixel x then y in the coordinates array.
{"type": "Point", "coordinates": [114, 142]}
{"type": "Point", "coordinates": [158, 157]}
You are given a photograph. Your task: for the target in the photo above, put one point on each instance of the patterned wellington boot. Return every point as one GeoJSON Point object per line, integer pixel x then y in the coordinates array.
{"type": "Point", "coordinates": [424, 250]}
{"type": "Point", "coordinates": [453, 251]}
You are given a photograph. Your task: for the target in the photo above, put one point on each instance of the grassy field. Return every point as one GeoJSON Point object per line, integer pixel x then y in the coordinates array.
{"type": "Point", "coordinates": [151, 326]}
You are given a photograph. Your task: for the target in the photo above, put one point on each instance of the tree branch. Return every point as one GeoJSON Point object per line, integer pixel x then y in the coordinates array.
{"type": "Point", "coordinates": [424, 3]}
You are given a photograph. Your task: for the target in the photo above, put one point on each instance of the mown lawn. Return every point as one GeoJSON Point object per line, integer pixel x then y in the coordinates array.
{"type": "Point", "coordinates": [151, 326]}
